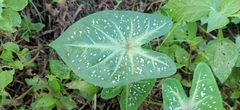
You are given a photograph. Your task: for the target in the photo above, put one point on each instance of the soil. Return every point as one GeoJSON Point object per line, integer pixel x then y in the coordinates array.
{"type": "Point", "coordinates": [57, 18]}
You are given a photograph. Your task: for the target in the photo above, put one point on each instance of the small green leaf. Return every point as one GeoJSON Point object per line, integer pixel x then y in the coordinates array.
{"type": "Point", "coordinates": [186, 83]}
{"type": "Point", "coordinates": [204, 93]}
{"type": "Point", "coordinates": [222, 54]}
{"type": "Point", "coordinates": [57, 1]}
{"type": "Point", "coordinates": [235, 94]}
{"type": "Point", "coordinates": [27, 28]}
{"type": "Point", "coordinates": [54, 85]}
{"type": "Point", "coordinates": [108, 93]}
{"type": "Point", "coordinates": [104, 48]}
{"type": "Point", "coordinates": [235, 20]}
{"type": "Point", "coordinates": [6, 77]}
{"type": "Point", "coordinates": [233, 80]}
{"type": "Point", "coordinates": [35, 83]}
{"type": "Point", "coordinates": [7, 55]}
{"type": "Point", "coordinates": [68, 102]}
{"type": "Point", "coordinates": [25, 57]}
{"type": "Point", "coordinates": [59, 69]}
{"type": "Point", "coordinates": [11, 19]}
{"type": "Point", "coordinates": [216, 20]}
{"type": "Point", "coordinates": [16, 5]}
{"type": "Point", "coordinates": [46, 100]}
{"type": "Point", "coordinates": [11, 46]}
{"type": "Point", "coordinates": [181, 55]}
{"type": "Point", "coordinates": [16, 64]}
{"type": "Point", "coordinates": [87, 90]}
{"type": "Point", "coordinates": [192, 29]}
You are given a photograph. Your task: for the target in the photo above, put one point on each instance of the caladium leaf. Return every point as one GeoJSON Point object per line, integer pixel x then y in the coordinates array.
{"type": "Point", "coordinates": [204, 94]}
{"type": "Point", "coordinates": [105, 48]}
{"type": "Point", "coordinates": [132, 94]}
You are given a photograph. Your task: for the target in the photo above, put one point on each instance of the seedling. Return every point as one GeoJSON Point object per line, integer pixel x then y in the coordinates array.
{"type": "Point", "coordinates": [204, 94]}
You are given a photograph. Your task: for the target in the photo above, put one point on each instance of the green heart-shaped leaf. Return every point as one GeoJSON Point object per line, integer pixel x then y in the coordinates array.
{"type": "Point", "coordinates": [204, 94]}
{"type": "Point", "coordinates": [105, 48]}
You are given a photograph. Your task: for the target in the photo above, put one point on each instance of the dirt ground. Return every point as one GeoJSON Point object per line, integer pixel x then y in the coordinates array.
{"type": "Point", "coordinates": [57, 18]}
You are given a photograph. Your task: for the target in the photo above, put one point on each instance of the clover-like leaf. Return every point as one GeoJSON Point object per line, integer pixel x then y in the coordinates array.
{"type": "Point", "coordinates": [204, 94]}
{"type": "Point", "coordinates": [105, 48]}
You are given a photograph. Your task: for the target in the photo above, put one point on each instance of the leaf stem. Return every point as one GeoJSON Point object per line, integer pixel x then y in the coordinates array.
{"type": "Point", "coordinates": [118, 3]}
{"type": "Point", "coordinates": [212, 36]}
{"type": "Point", "coordinates": [153, 103]}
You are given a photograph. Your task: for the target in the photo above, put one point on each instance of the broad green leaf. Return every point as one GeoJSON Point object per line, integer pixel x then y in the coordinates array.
{"type": "Point", "coordinates": [105, 48]}
{"type": "Point", "coordinates": [204, 94]}
{"type": "Point", "coordinates": [132, 94]}
{"type": "Point", "coordinates": [59, 69]}
{"type": "Point", "coordinates": [216, 20]}
{"type": "Point", "coordinates": [190, 10]}
{"type": "Point", "coordinates": [6, 77]}
{"type": "Point", "coordinates": [11, 46]}
{"type": "Point", "coordinates": [229, 7]}
{"type": "Point", "coordinates": [222, 54]}
{"type": "Point", "coordinates": [16, 5]}
{"type": "Point", "coordinates": [46, 100]}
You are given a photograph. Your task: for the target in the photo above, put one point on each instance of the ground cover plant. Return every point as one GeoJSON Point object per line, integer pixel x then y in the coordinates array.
{"type": "Point", "coordinates": [178, 56]}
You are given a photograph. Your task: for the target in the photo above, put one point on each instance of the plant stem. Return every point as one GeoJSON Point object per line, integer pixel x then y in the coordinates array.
{"type": "Point", "coordinates": [212, 36]}
{"type": "Point", "coordinates": [153, 103]}
{"type": "Point", "coordinates": [118, 3]}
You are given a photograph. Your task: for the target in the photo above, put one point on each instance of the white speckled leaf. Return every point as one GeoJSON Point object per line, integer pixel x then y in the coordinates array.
{"type": "Point", "coordinates": [132, 94]}
{"type": "Point", "coordinates": [104, 48]}
{"type": "Point", "coordinates": [204, 94]}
